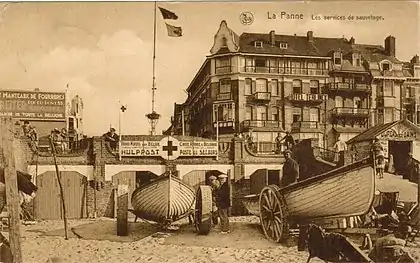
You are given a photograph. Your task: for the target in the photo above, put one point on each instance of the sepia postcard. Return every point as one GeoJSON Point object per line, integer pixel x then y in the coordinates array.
{"type": "Point", "coordinates": [265, 131]}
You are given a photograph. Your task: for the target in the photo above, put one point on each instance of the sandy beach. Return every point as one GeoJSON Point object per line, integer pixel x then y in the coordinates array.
{"type": "Point", "coordinates": [96, 241]}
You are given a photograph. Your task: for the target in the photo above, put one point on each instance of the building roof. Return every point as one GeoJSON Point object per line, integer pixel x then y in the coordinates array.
{"type": "Point", "coordinates": [296, 45]}
{"type": "Point", "coordinates": [372, 133]}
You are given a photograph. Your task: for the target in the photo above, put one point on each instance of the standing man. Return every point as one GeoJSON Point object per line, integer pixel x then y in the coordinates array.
{"type": "Point", "coordinates": [290, 170]}
{"type": "Point", "coordinates": [223, 203]}
{"type": "Point", "coordinates": [215, 185]}
{"type": "Point", "coordinates": [340, 147]}
{"type": "Point", "coordinates": [288, 140]}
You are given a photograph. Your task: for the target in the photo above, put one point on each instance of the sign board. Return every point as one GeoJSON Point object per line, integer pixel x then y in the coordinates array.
{"type": "Point", "coordinates": [398, 133]}
{"type": "Point", "coordinates": [169, 148]}
{"type": "Point", "coordinates": [33, 105]}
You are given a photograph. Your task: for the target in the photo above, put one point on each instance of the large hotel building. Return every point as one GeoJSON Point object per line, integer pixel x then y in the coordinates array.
{"type": "Point", "coordinates": [313, 87]}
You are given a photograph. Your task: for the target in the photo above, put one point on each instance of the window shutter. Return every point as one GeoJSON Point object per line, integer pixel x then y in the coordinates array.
{"type": "Point", "coordinates": [253, 87]}
{"type": "Point", "coordinates": [254, 113]}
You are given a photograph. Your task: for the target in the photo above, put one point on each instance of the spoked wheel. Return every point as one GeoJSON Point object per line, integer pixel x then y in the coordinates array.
{"type": "Point", "coordinates": [274, 214]}
{"type": "Point", "coordinates": [203, 210]}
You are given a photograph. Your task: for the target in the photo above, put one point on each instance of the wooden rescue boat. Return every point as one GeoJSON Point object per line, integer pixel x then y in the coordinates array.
{"type": "Point", "coordinates": [344, 192]}
{"type": "Point", "coordinates": [163, 200]}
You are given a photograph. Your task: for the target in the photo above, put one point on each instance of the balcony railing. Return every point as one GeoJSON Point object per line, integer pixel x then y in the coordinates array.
{"type": "Point", "coordinates": [224, 96]}
{"type": "Point", "coordinates": [307, 97]}
{"type": "Point", "coordinates": [348, 87]}
{"type": "Point", "coordinates": [224, 124]}
{"type": "Point", "coordinates": [261, 96]}
{"type": "Point", "coordinates": [341, 111]}
{"type": "Point", "coordinates": [305, 125]}
{"type": "Point", "coordinates": [409, 100]}
{"type": "Point", "coordinates": [262, 124]}
{"type": "Point", "coordinates": [286, 71]}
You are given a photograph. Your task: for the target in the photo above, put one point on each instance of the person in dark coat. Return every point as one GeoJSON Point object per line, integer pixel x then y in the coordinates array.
{"type": "Point", "coordinates": [223, 203]}
{"type": "Point", "coordinates": [215, 185]}
{"type": "Point", "coordinates": [290, 170]}
{"type": "Point", "coordinates": [288, 140]}
{"type": "Point", "coordinates": [112, 138]}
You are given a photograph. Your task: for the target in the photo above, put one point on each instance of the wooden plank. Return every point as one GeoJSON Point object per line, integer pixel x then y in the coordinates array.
{"type": "Point", "coordinates": [63, 204]}
{"type": "Point", "coordinates": [12, 194]}
{"type": "Point", "coordinates": [122, 210]}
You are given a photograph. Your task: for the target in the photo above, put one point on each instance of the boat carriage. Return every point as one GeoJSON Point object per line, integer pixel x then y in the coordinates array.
{"type": "Point", "coordinates": [343, 192]}
{"type": "Point", "coordinates": [167, 199]}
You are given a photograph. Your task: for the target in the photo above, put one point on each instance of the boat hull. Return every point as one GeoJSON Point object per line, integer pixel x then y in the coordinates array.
{"type": "Point", "coordinates": [336, 194]}
{"type": "Point", "coordinates": [165, 199]}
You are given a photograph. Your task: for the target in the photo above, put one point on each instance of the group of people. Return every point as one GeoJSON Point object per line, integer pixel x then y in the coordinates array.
{"type": "Point", "coordinates": [221, 191]}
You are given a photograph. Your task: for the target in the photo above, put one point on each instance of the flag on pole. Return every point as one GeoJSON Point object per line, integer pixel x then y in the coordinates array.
{"type": "Point", "coordinates": [168, 14]}
{"type": "Point", "coordinates": [174, 31]}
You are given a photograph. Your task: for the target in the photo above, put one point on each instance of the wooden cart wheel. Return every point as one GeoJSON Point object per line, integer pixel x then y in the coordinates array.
{"type": "Point", "coordinates": [274, 214]}
{"type": "Point", "coordinates": [203, 210]}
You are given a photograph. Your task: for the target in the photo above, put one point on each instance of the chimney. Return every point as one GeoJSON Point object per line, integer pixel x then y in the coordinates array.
{"type": "Point", "coordinates": [310, 36]}
{"type": "Point", "coordinates": [352, 40]}
{"type": "Point", "coordinates": [390, 46]}
{"type": "Point", "coordinates": [272, 37]}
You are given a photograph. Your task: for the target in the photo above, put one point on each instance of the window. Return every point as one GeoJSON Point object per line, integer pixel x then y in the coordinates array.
{"type": "Point", "coordinates": [337, 58]}
{"type": "Point", "coordinates": [261, 85]}
{"type": "Point", "coordinates": [283, 45]}
{"type": "Point", "coordinates": [339, 103]}
{"type": "Point", "coordinates": [258, 44]}
{"type": "Point", "coordinates": [248, 113]}
{"type": "Point", "coordinates": [314, 85]}
{"type": "Point", "coordinates": [357, 102]}
{"type": "Point", "coordinates": [223, 65]}
{"type": "Point", "coordinates": [224, 86]}
{"type": "Point", "coordinates": [274, 87]}
{"type": "Point", "coordinates": [274, 111]}
{"type": "Point", "coordinates": [314, 114]}
{"type": "Point", "coordinates": [386, 66]}
{"type": "Point", "coordinates": [297, 114]}
{"type": "Point", "coordinates": [262, 113]}
{"type": "Point", "coordinates": [260, 62]}
{"type": "Point", "coordinates": [407, 92]}
{"type": "Point", "coordinates": [224, 112]}
{"type": "Point", "coordinates": [248, 86]}
{"type": "Point", "coordinates": [356, 59]}
{"type": "Point", "coordinates": [388, 88]}
{"type": "Point", "coordinates": [297, 86]}
{"type": "Point", "coordinates": [249, 64]}
{"type": "Point", "coordinates": [274, 65]}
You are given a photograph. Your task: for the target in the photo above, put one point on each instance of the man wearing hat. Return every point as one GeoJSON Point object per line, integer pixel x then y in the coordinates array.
{"type": "Point", "coordinates": [215, 185]}
{"type": "Point", "coordinates": [112, 138]}
{"type": "Point", "coordinates": [223, 202]}
{"type": "Point", "coordinates": [290, 170]}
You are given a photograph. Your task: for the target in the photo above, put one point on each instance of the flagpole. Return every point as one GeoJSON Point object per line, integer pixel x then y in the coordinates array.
{"type": "Point", "coordinates": [153, 116]}
{"type": "Point", "coordinates": [154, 59]}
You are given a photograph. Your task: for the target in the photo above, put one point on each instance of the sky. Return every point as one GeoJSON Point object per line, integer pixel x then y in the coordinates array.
{"type": "Point", "coordinates": [103, 50]}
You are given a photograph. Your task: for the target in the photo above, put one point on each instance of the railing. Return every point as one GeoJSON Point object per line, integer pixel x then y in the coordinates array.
{"type": "Point", "coordinates": [349, 87]}
{"type": "Point", "coordinates": [350, 111]}
{"type": "Point", "coordinates": [262, 123]}
{"type": "Point", "coordinates": [286, 71]}
{"type": "Point", "coordinates": [224, 96]}
{"type": "Point", "coordinates": [409, 100]}
{"type": "Point", "coordinates": [308, 97]}
{"type": "Point", "coordinates": [305, 125]}
{"type": "Point", "coordinates": [325, 154]}
{"type": "Point", "coordinates": [261, 95]}
{"type": "Point", "coordinates": [223, 124]}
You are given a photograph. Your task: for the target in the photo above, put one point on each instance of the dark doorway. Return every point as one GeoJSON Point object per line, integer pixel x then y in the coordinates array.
{"type": "Point", "coordinates": [273, 177]}
{"type": "Point", "coordinates": [399, 151]}
{"type": "Point", "coordinates": [143, 177]}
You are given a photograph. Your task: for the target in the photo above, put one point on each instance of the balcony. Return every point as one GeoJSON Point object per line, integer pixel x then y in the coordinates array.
{"type": "Point", "coordinates": [355, 112]}
{"type": "Point", "coordinates": [305, 125]}
{"type": "Point", "coordinates": [262, 124]}
{"type": "Point", "coordinates": [349, 87]}
{"type": "Point", "coordinates": [261, 96]}
{"type": "Point", "coordinates": [223, 96]}
{"type": "Point", "coordinates": [286, 71]}
{"type": "Point", "coordinates": [223, 70]}
{"type": "Point", "coordinates": [307, 97]}
{"type": "Point", "coordinates": [408, 100]}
